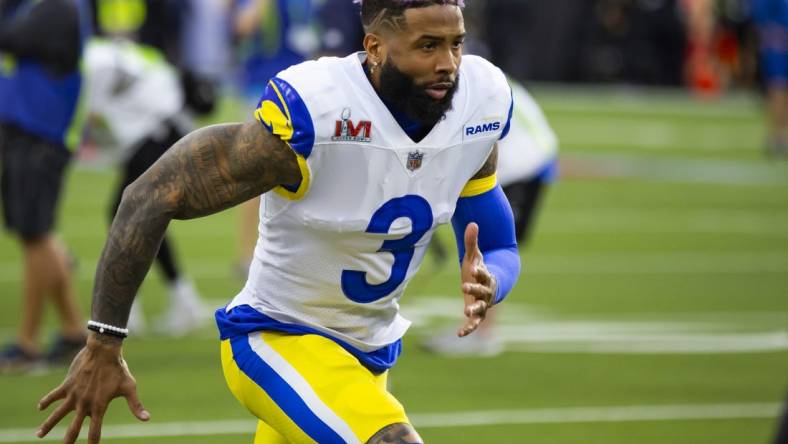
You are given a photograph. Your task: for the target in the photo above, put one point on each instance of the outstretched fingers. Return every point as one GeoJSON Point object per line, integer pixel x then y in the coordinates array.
{"type": "Point", "coordinates": [135, 405]}
{"type": "Point", "coordinates": [482, 275]}
{"type": "Point", "coordinates": [96, 419]}
{"type": "Point", "coordinates": [477, 309]}
{"type": "Point", "coordinates": [72, 433]}
{"type": "Point", "coordinates": [470, 326]}
{"type": "Point", "coordinates": [55, 395]}
{"type": "Point", "coordinates": [60, 412]}
{"type": "Point", "coordinates": [479, 292]}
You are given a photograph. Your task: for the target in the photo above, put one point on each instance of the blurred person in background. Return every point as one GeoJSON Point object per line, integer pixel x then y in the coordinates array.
{"type": "Point", "coordinates": [527, 165]}
{"type": "Point", "coordinates": [340, 29]}
{"type": "Point", "coordinates": [40, 83]}
{"type": "Point", "coordinates": [771, 19]}
{"type": "Point", "coordinates": [701, 72]}
{"type": "Point", "coordinates": [136, 109]}
{"type": "Point", "coordinates": [721, 45]}
{"type": "Point", "coordinates": [190, 34]}
{"type": "Point", "coordinates": [205, 53]}
{"type": "Point", "coordinates": [270, 36]}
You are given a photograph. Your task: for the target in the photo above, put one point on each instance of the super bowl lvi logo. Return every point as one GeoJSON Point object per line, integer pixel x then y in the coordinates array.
{"type": "Point", "coordinates": [346, 131]}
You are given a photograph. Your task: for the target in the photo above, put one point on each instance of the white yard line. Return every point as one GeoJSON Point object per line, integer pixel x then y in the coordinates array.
{"type": "Point", "coordinates": [564, 415]}
{"type": "Point", "coordinates": [760, 342]}
{"type": "Point", "coordinates": [521, 330]}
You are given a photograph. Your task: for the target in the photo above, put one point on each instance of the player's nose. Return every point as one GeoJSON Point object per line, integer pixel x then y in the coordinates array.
{"type": "Point", "coordinates": [447, 62]}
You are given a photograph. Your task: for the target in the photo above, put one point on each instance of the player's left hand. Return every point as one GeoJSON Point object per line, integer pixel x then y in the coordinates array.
{"type": "Point", "coordinates": [478, 284]}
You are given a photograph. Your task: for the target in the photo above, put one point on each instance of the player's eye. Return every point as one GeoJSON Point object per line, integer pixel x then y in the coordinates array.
{"type": "Point", "coordinates": [458, 44]}
{"type": "Point", "coordinates": [429, 46]}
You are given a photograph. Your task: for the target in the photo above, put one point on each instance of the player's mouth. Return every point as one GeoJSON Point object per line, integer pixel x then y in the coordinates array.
{"type": "Point", "coordinates": [438, 90]}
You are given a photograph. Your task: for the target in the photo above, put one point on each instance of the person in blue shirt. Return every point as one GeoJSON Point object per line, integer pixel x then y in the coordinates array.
{"type": "Point", "coordinates": [40, 49]}
{"type": "Point", "coordinates": [771, 20]}
{"type": "Point", "coordinates": [271, 35]}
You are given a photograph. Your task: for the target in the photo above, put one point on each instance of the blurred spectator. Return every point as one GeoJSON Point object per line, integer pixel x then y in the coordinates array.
{"type": "Point", "coordinates": [205, 45]}
{"type": "Point", "coordinates": [340, 27]}
{"type": "Point", "coordinates": [736, 43]}
{"type": "Point", "coordinates": [700, 71]}
{"type": "Point", "coordinates": [271, 36]}
{"type": "Point", "coordinates": [135, 106]}
{"type": "Point", "coordinates": [163, 26]}
{"type": "Point", "coordinates": [190, 34]}
{"type": "Point", "coordinates": [41, 46]}
{"type": "Point", "coordinates": [771, 18]}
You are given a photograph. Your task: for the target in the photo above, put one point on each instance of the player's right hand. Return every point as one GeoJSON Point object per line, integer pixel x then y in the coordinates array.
{"type": "Point", "coordinates": [97, 375]}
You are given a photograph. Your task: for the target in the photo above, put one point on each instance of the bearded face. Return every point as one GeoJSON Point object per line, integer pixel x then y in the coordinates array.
{"type": "Point", "coordinates": [425, 103]}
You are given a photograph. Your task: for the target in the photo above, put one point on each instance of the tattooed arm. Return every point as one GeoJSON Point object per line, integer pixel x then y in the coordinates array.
{"type": "Point", "coordinates": [490, 165]}
{"type": "Point", "coordinates": [399, 433]}
{"type": "Point", "coordinates": [205, 172]}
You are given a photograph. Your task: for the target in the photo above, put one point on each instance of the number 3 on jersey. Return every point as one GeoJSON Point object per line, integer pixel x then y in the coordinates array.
{"type": "Point", "coordinates": [415, 208]}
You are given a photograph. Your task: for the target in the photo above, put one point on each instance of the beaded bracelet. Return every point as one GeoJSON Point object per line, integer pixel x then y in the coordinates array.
{"type": "Point", "coordinates": [106, 329]}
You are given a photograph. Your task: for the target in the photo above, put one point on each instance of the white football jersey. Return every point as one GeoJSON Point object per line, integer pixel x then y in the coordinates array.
{"type": "Point", "coordinates": [530, 145]}
{"type": "Point", "coordinates": [336, 253]}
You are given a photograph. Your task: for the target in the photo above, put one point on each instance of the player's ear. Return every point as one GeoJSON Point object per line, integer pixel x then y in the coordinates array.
{"type": "Point", "coordinates": [373, 45]}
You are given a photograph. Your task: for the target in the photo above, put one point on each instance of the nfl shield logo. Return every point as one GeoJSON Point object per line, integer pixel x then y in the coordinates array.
{"type": "Point", "coordinates": [414, 160]}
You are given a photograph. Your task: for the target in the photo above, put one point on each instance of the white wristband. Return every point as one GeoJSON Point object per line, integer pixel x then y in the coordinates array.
{"type": "Point", "coordinates": [103, 328]}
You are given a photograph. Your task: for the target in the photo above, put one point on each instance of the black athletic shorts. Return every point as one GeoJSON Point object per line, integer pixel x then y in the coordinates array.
{"type": "Point", "coordinates": [31, 176]}
{"type": "Point", "coordinates": [524, 198]}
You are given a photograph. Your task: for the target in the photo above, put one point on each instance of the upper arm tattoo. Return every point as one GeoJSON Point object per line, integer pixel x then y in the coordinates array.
{"type": "Point", "coordinates": [399, 433]}
{"type": "Point", "coordinates": [490, 166]}
{"type": "Point", "coordinates": [207, 171]}
{"type": "Point", "coordinates": [224, 165]}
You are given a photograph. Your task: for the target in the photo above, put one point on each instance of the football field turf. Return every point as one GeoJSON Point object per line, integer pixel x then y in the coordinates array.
{"type": "Point", "coordinates": [653, 307]}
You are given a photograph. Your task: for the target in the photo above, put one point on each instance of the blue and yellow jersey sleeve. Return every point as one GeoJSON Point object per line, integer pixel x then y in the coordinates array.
{"type": "Point", "coordinates": [283, 112]}
{"type": "Point", "coordinates": [475, 187]}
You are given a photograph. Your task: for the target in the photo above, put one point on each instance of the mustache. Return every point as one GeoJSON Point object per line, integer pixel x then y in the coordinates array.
{"type": "Point", "coordinates": [447, 83]}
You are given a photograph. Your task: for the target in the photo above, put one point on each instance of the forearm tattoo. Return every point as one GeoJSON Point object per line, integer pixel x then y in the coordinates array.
{"type": "Point", "coordinates": [205, 172]}
{"type": "Point", "coordinates": [399, 433]}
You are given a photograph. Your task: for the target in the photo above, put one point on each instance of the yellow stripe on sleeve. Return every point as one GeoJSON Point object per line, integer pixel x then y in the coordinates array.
{"type": "Point", "coordinates": [281, 100]}
{"type": "Point", "coordinates": [303, 187]}
{"type": "Point", "coordinates": [476, 187]}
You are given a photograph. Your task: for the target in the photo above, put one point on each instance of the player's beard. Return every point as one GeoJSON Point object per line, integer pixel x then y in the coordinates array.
{"type": "Point", "coordinates": [401, 91]}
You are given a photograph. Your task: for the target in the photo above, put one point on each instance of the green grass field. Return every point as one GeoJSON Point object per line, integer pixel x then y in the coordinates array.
{"type": "Point", "coordinates": [653, 307]}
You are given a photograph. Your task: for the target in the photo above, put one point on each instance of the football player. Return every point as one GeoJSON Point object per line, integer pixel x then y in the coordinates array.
{"type": "Point", "coordinates": [359, 160]}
